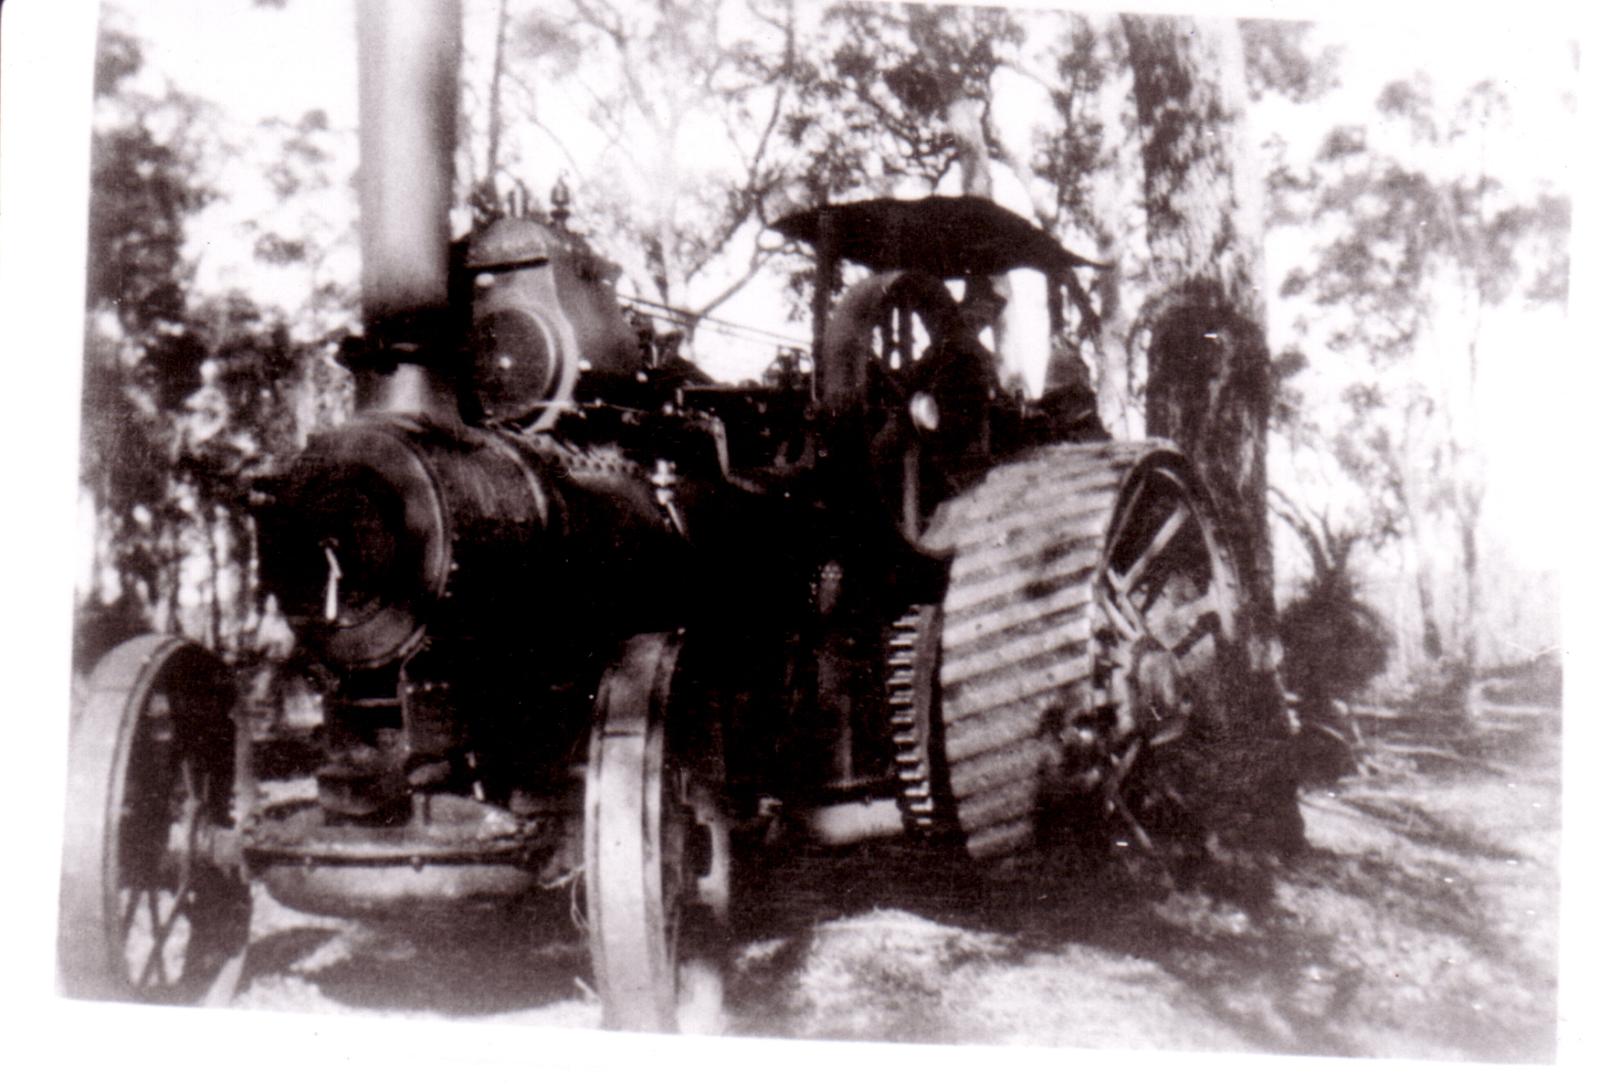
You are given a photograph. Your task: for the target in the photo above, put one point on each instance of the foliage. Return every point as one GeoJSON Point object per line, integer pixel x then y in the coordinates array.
{"type": "Point", "coordinates": [686, 128]}
{"type": "Point", "coordinates": [876, 87]}
{"type": "Point", "coordinates": [1400, 231]}
{"type": "Point", "coordinates": [1072, 145]}
{"type": "Point", "coordinates": [1277, 61]}
{"type": "Point", "coordinates": [1334, 643]}
{"type": "Point", "coordinates": [681, 100]}
{"type": "Point", "coordinates": [303, 231]}
{"type": "Point", "coordinates": [187, 396]}
{"type": "Point", "coordinates": [785, 105]}
{"type": "Point", "coordinates": [1417, 246]}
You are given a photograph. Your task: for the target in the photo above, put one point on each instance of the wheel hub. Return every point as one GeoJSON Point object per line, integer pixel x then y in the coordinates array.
{"type": "Point", "coordinates": [1159, 705]}
{"type": "Point", "coordinates": [151, 910]}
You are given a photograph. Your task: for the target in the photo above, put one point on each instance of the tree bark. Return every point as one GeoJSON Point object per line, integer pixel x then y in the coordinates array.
{"type": "Point", "coordinates": [1114, 382]}
{"type": "Point", "coordinates": [1209, 386]}
{"type": "Point", "coordinates": [965, 118]}
{"type": "Point", "coordinates": [491, 165]}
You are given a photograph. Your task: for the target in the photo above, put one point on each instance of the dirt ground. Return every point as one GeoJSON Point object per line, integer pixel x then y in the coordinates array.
{"type": "Point", "coordinates": [1421, 924]}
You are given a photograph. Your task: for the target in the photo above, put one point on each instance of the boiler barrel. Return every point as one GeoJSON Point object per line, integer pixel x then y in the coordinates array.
{"type": "Point", "coordinates": [390, 531]}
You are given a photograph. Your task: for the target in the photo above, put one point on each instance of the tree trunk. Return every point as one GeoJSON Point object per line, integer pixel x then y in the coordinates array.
{"type": "Point", "coordinates": [1470, 502]}
{"type": "Point", "coordinates": [209, 518]}
{"type": "Point", "coordinates": [1209, 386]}
{"type": "Point", "coordinates": [491, 165]}
{"type": "Point", "coordinates": [1114, 381]}
{"type": "Point", "coordinates": [965, 118]}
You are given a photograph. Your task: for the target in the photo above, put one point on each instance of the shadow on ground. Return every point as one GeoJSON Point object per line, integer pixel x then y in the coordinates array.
{"type": "Point", "coordinates": [1406, 938]}
{"type": "Point", "coordinates": [1420, 924]}
{"type": "Point", "coordinates": [499, 962]}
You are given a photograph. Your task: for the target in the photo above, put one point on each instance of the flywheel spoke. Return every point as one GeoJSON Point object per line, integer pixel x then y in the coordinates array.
{"type": "Point", "coordinates": [153, 964]}
{"type": "Point", "coordinates": [1121, 807]}
{"type": "Point", "coordinates": [191, 795]}
{"type": "Point", "coordinates": [892, 377]}
{"type": "Point", "coordinates": [911, 490]}
{"type": "Point", "coordinates": [130, 912]}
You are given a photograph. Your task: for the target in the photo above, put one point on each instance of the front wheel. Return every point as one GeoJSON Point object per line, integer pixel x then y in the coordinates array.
{"type": "Point", "coordinates": [150, 909]}
{"type": "Point", "coordinates": [656, 855]}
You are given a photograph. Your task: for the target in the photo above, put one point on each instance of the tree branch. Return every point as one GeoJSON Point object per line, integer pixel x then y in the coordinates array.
{"type": "Point", "coordinates": [758, 261]}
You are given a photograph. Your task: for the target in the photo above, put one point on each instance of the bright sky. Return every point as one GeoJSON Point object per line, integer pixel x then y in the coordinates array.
{"type": "Point", "coordinates": [1527, 357]}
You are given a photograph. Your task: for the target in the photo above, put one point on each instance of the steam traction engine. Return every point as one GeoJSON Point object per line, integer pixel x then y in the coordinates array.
{"type": "Point", "coordinates": [585, 625]}
{"type": "Point", "coordinates": [584, 619]}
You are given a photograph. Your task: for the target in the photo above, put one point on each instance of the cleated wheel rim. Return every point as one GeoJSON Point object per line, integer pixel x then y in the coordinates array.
{"type": "Point", "coordinates": [148, 911]}
{"type": "Point", "coordinates": [1084, 633]}
{"type": "Point", "coordinates": [656, 857]}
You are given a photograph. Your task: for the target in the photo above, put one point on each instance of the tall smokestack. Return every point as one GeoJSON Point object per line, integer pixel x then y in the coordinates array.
{"type": "Point", "coordinates": [409, 53]}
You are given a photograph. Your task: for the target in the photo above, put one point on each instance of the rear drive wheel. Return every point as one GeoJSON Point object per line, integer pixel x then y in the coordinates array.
{"type": "Point", "coordinates": [1086, 630]}
{"type": "Point", "coordinates": [1166, 644]}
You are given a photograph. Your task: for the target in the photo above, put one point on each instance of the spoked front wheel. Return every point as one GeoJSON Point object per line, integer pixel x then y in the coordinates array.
{"type": "Point", "coordinates": [151, 908]}
{"type": "Point", "coordinates": [656, 856]}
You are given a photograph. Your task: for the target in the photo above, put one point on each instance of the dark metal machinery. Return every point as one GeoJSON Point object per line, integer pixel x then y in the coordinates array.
{"type": "Point", "coordinates": [584, 623]}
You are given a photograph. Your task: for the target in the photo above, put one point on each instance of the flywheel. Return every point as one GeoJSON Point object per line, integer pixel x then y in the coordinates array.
{"type": "Point", "coordinates": [1082, 636]}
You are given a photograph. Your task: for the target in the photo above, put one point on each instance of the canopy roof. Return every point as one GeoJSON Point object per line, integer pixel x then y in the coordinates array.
{"type": "Point", "coordinates": [948, 237]}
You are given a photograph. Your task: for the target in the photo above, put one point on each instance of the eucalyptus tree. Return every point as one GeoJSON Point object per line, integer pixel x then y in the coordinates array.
{"type": "Point", "coordinates": [1210, 377]}
{"type": "Point", "coordinates": [189, 391]}
{"type": "Point", "coordinates": [141, 359]}
{"type": "Point", "coordinates": [1420, 247]}
{"type": "Point", "coordinates": [660, 118]}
